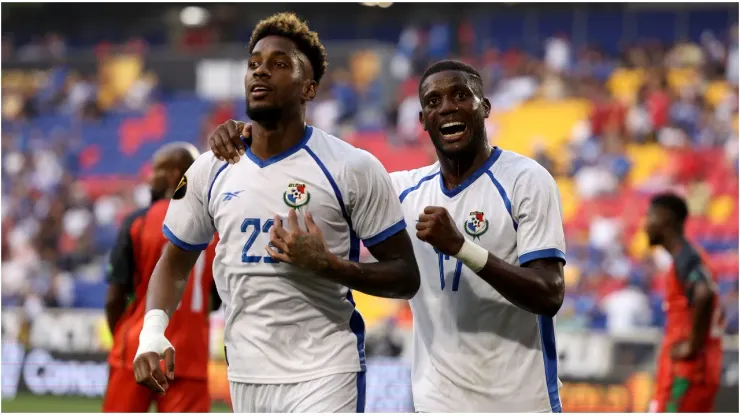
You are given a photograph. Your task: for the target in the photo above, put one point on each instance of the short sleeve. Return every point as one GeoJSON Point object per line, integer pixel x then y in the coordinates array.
{"type": "Point", "coordinates": [121, 263]}
{"type": "Point", "coordinates": [538, 214]}
{"type": "Point", "coordinates": [188, 223]}
{"type": "Point", "coordinates": [374, 207]}
{"type": "Point", "coordinates": [690, 270]}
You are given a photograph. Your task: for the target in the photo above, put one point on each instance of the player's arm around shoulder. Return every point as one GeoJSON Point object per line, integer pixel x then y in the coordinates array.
{"type": "Point", "coordinates": [378, 220]}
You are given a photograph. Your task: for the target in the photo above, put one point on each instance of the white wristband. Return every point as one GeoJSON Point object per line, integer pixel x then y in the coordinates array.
{"type": "Point", "coordinates": [155, 321]}
{"type": "Point", "coordinates": [472, 255]}
{"type": "Point", "coordinates": [151, 338]}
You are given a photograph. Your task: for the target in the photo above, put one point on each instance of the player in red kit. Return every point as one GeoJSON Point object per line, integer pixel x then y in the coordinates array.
{"type": "Point", "coordinates": [139, 246]}
{"type": "Point", "coordinates": [690, 359]}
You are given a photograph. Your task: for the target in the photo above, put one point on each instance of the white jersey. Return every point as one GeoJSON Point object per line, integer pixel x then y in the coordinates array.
{"type": "Point", "coordinates": [473, 350]}
{"type": "Point", "coordinates": [283, 324]}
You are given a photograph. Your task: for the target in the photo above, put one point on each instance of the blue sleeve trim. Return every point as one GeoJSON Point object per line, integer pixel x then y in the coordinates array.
{"type": "Point", "coordinates": [542, 254]}
{"type": "Point", "coordinates": [183, 245]}
{"type": "Point", "coordinates": [385, 234]}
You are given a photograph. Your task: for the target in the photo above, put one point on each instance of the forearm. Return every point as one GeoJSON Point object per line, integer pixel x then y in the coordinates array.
{"type": "Point", "coordinates": [169, 279]}
{"type": "Point", "coordinates": [702, 321]}
{"type": "Point", "coordinates": [397, 278]}
{"type": "Point", "coordinates": [533, 289]}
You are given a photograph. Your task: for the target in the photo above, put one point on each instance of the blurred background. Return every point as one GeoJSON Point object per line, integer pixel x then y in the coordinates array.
{"type": "Point", "coordinates": [617, 101]}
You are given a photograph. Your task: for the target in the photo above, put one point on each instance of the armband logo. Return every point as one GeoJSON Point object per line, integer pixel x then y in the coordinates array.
{"type": "Point", "coordinates": [182, 188]}
{"type": "Point", "coordinates": [476, 224]}
{"type": "Point", "coordinates": [296, 196]}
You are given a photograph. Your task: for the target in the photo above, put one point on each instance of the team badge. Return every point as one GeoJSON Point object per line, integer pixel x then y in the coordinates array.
{"type": "Point", "coordinates": [296, 196]}
{"type": "Point", "coordinates": [476, 224]}
{"type": "Point", "coordinates": [181, 189]}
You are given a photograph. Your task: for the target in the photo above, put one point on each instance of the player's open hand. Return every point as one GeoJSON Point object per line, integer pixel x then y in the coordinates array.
{"type": "Point", "coordinates": [226, 142]}
{"type": "Point", "coordinates": [148, 373]}
{"type": "Point", "coordinates": [305, 249]}
{"type": "Point", "coordinates": [435, 226]}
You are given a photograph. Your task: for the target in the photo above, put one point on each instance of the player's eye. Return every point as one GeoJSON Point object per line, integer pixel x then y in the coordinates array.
{"type": "Point", "coordinates": [460, 95]}
{"type": "Point", "coordinates": [433, 102]}
{"type": "Point", "coordinates": [253, 64]}
{"type": "Point", "coordinates": [280, 64]}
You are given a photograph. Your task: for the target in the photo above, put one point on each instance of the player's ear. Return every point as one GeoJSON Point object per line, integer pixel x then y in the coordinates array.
{"type": "Point", "coordinates": [486, 106]}
{"type": "Point", "coordinates": [421, 120]}
{"type": "Point", "coordinates": [309, 92]}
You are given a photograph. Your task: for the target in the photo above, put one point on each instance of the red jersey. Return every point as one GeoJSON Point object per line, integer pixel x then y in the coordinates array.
{"type": "Point", "coordinates": [138, 249]}
{"type": "Point", "coordinates": [690, 266]}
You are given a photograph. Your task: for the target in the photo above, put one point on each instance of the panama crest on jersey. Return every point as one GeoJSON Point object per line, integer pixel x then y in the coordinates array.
{"type": "Point", "coordinates": [297, 195]}
{"type": "Point", "coordinates": [476, 224]}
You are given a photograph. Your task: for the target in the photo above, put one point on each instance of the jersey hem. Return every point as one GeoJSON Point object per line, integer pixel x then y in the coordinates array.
{"type": "Point", "coordinates": [295, 379]}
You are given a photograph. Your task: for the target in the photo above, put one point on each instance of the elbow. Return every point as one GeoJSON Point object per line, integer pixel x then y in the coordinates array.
{"type": "Point", "coordinates": [411, 282]}
{"type": "Point", "coordinates": [554, 297]}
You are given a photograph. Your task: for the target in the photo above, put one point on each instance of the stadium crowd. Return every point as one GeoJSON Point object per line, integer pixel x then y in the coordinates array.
{"type": "Point", "coordinates": [611, 129]}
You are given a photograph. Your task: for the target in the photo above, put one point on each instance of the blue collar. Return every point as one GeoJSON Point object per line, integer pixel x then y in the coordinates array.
{"type": "Point", "coordinates": [450, 193]}
{"type": "Point", "coordinates": [277, 158]}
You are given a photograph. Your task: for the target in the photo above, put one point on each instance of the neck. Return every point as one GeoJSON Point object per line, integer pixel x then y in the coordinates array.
{"type": "Point", "coordinates": [455, 169]}
{"type": "Point", "coordinates": [674, 244]}
{"type": "Point", "coordinates": [271, 139]}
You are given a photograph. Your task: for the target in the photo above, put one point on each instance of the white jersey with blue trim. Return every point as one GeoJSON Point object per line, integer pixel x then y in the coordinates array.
{"type": "Point", "coordinates": [283, 324]}
{"type": "Point", "coordinates": [473, 350]}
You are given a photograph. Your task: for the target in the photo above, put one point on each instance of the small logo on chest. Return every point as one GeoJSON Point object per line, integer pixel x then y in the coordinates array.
{"type": "Point", "coordinates": [297, 195]}
{"type": "Point", "coordinates": [228, 196]}
{"type": "Point", "coordinates": [476, 224]}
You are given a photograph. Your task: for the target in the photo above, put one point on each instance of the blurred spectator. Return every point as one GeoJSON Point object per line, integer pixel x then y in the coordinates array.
{"type": "Point", "coordinates": [627, 309]}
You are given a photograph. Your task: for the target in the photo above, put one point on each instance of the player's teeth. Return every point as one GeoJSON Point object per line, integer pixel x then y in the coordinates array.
{"type": "Point", "coordinates": [454, 123]}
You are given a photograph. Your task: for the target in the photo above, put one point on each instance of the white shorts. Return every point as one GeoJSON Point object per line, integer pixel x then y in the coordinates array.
{"type": "Point", "coordinates": [338, 393]}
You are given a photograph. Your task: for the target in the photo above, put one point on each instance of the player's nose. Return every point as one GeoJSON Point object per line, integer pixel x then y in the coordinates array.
{"type": "Point", "coordinates": [448, 106]}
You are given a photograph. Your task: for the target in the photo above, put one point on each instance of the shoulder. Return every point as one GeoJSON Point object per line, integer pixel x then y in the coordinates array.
{"type": "Point", "coordinates": [407, 181]}
{"type": "Point", "coordinates": [520, 170]}
{"type": "Point", "coordinates": [128, 220]}
{"type": "Point", "coordinates": [688, 259]}
{"type": "Point", "coordinates": [339, 157]}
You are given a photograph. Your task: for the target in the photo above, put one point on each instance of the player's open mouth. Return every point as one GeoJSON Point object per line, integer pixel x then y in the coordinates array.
{"type": "Point", "coordinates": [258, 91]}
{"type": "Point", "coordinates": [453, 130]}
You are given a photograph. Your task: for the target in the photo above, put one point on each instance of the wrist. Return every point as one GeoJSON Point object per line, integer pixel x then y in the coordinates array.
{"type": "Point", "coordinates": [333, 265]}
{"type": "Point", "coordinates": [155, 322]}
{"type": "Point", "coordinates": [472, 255]}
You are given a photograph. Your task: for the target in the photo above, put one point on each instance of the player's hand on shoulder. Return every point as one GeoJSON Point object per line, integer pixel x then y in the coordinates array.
{"type": "Point", "coordinates": [436, 227]}
{"type": "Point", "coordinates": [304, 249]}
{"type": "Point", "coordinates": [147, 371]}
{"type": "Point", "coordinates": [226, 142]}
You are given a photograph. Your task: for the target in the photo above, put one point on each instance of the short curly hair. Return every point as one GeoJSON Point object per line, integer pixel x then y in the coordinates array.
{"type": "Point", "coordinates": [288, 25]}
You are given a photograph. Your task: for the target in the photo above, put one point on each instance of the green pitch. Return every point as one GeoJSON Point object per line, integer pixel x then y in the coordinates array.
{"type": "Point", "coordinates": [28, 403]}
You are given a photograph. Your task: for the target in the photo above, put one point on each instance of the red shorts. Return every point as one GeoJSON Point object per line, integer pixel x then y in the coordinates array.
{"type": "Point", "coordinates": [124, 395]}
{"type": "Point", "coordinates": [687, 386]}
{"type": "Point", "coordinates": [691, 399]}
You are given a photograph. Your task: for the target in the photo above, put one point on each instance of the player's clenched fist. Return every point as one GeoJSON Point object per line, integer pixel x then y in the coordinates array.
{"type": "Point", "coordinates": [435, 226]}
{"type": "Point", "coordinates": [226, 141]}
{"type": "Point", "coordinates": [153, 347]}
